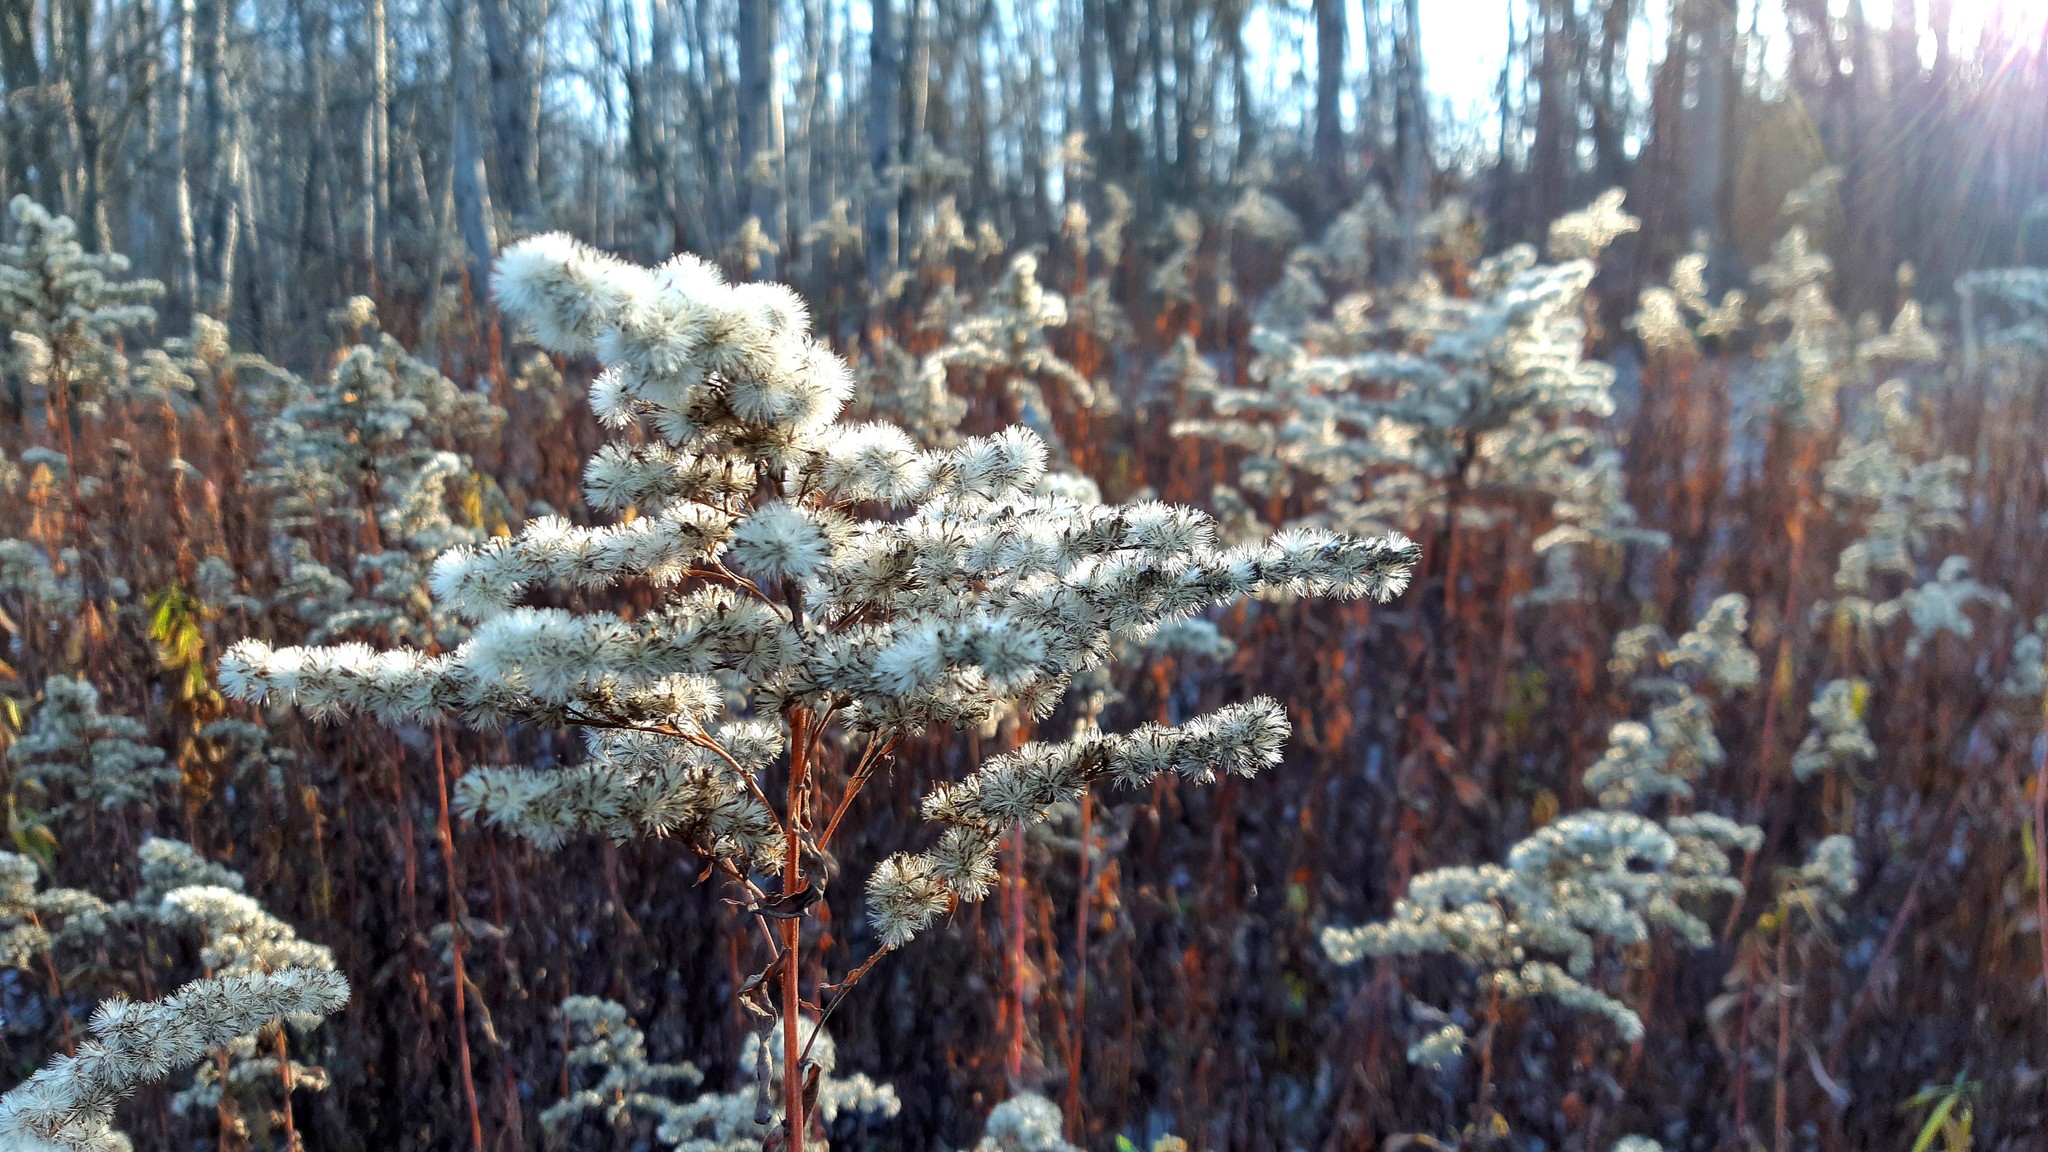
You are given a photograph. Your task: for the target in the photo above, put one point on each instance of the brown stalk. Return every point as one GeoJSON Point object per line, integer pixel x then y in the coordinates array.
{"type": "Point", "coordinates": [284, 1075]}
{"type": "Point", "coordinates": [792, 932]}
{"type": "Point", "coordinates": [1781, 978]}
{"type": "Point", "coordinates": [447, 836]}
{"type": "Point", "coordinates": [1076, 1128]}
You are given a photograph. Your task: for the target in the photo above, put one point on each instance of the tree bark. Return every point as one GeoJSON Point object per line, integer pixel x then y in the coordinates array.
{"type": "Point", "coordinates": [95, 232]}
{"type": "Point", "coordinates": [27, 134]}
{"type": "Point", "coordinates": [512, 112]}
{"type": "Point", "coordinates": [760, 123]}
{"type": "Point", "coordinates": [1411, 131]}
{"type": "Point", "coordinates": [376, 144]}
{"type": "Point", "coordinates": [1709, 140]}
{"type": "Point", "coordinates": [185, 265]}
{"type": "Point", "coordinates": [472, 189]}
{"type": "Point", "coordinates": [884, 76]}
{"type": "Point", "coordinates": [223, 200]}
{"type": "Point", "coordinates": [1329, 134]}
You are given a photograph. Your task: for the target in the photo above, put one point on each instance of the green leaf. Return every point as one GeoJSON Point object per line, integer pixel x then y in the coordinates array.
{"type": "Point", "coordinates": [34, 841]}
{"type": "Point", "coordinates": [2029, 850]}
{"type": "Point", "coordinates": [1935, 1122]}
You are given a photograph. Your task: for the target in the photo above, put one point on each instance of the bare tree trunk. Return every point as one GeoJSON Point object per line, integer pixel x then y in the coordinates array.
{"type": "Point", "coordinates": [1606, 96]}
{"type": "Point", "coordinates": [264, 297]}
{"type": "Point", "coordinates": [1187, 102]}
{"type": "Point", "coordinates": [1554, 117]}
{"type": "Point", "coordinates": [917, 74]}
{"type": "Point", "coordinates": [1709, 141]}
{"type": "Point", "coordinates": [975, 21]}
{"type": "Point", "coordinates": [1244, 113]}
{"type": "Point", "coordinates": [315, 207]}
{"type": "Point", "coordinates": [27, 136]}
{"type": "Point", "coordinates": [760, 122]}
{"type": "Point", "coordinates": [223, 201]}
{"type": "Point", "coordinates": [185, 264]}
{"type": "Point", "coordinates": [512, 114]}
{"type": "Point", "coordinates": [806, 183]}
{"type": "Point", "coordinates": [1123, 87]}
{"type": "Point", "coordinates": [1157, 14]}
{"type": "Point", "coordinates": [376, 145]}
{"type": "Point", "coordinates": [472, 189]}
{"type": "Point", "coordinates": [884, 73]}
{"type": "Point", "coordinates": [92, 209]}
{"type": "Point", "coordinates": [1090, 66]}
{"type": "Point", "coordinates": [1329, 137]}
{"type": "Point", "coordinates": [1411, 130]}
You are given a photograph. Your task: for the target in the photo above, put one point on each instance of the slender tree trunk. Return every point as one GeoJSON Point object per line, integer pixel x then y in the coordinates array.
{"type": "Point", "coordinates": [760, 122]}
{"type": "Point", "coordinates": [316, 211]}
{"type": "Point", "coordinates": [1157, 15]}
{"type": "Point", "coordinates": [1411, 130]}
{"type": "Point", "coordinates": [1329, 135]}
{"type": "Point", "coordinates": [1606, 95]}
{"type": "Point", "coordinates": [472, 189]}
{"type": "Point", "coordinates": [917, 74]}
{"type": "Point", "coordinates": [376, 146]}
{"type": "Point", "coordinates": [185, 261]}
{"type": "Point", "coordinates": [1090, 67]}
{"type": "Point", "coordinates": [884, 73]}
{"type": "Point", "coordinates": [792, 933]}
{"type": "Point", "coordinates": [1244, 110]}
{"type": "Point", "coordinates": [1709, 141]}
{"type": "Point", "coordinates": [512, 119]}
{"type": "Point", "coordinates": [223, 207]}
{"type": "Point", "coordinates": [27, 138]}
{"type": "Point", "coordinates": [92, 209]}
{"type": "Point", "coordinates": [1555, 127]}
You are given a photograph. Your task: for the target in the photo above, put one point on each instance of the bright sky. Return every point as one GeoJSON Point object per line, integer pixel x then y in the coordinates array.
{"type": "Point", "coordinates": [1463, 43]}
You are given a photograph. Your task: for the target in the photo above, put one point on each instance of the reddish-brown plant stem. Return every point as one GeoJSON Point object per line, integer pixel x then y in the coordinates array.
{"type": "Point", "coordinates": [2040, 855]}
{"type": "Point", "coordinates": [1795, 527]}
{"type": "Point", "coordinates": [1013, 918]}
{"type": "Point", "coordinates": [1076, 1129]}
{"type": "Point", "coordinates": [1781, 980]}
{"type": "Point", "coordinates": [870, 759]}
{"type": "Point", "coordinates": [1482, 1108]}
{"type": "Point", "coordinates": [224, 1110]}
{"type": "Point", "coordinates": [792, 932]}
{"type": "Point", "coordinates": [1907, 906]}
{"type": "Point", "coordinates": [446, 832]}
{"type": "Point", "coordinates": [1742, 1045]}
{"type": "Point", "coordinates": [284, 1076]}
{"type": "Point", "coordinates": [56, 987]}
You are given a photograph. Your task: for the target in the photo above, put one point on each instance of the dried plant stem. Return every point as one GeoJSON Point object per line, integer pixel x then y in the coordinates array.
{"type": "Point", "coordinates": [1076, 1129]}
{"type": "Point", "coordinates": [1781, 979]}
{"type": "Point", "coordinates": [284, 1076]}
{"type": "Point", "coordinates": [1795, 527]}
{"type": "Point", "coordinates": [224, 1108]}
{"type": "Point", "coordinates": [2040, 857]}
{"type": "Point", "coordinates": [792, 933]}
{"type": "Point", "coordinates": [56, 988]}
{"type": "Point", "coordinates": [870, 759]}
{"type": "Point", "coordinates": [447, 837]}
{"type": "Point", "coordinates": [1742, 1045]}
{"type": "Point", "coordinates": [1907, 906]}
{"type": "Point", "coordinates": [1013, 917]}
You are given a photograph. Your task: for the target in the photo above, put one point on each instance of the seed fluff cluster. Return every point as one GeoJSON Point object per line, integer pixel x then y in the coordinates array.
{"type": "Point", "coordinates": [620, 1084]}
{"type": "Point", "coordinates": [799, 568]}
{"type": "Point", "coordinates": [1552, 919]}
{"type": "Point", "coordinates": [1368, 418]}
{"type": "Point", "coordinates": [70, 1103]}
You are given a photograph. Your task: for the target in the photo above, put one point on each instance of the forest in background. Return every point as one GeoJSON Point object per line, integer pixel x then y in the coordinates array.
{"type": "Point", "coordinates": [1231, 254]}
